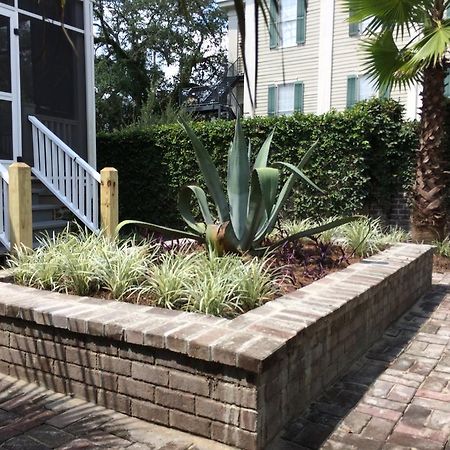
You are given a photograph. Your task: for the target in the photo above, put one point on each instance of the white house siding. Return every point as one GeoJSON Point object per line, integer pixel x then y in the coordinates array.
{"type": "Point", "coordinates": [288, 65]}
{"type": "Point", "coordinates": [346, 57]}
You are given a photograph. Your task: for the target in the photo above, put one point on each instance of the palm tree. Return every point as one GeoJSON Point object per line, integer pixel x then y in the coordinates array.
{"type": "Point", "coordinates": [423, 59]}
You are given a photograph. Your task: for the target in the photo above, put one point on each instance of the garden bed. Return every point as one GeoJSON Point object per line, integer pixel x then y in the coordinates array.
{"type": "Point", "coordinates": [235, 381]}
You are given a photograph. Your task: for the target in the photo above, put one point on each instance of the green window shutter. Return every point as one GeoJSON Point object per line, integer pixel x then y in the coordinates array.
{"type": "Point", "coordinates": [352, 90]}
{"type": "Point", "coordinates": [272, 100]}
{"type": "Point", "coordinates": [273, 27]}
{"type": "Point", "coordinates": [299, 92]}
{"type": "Point", "coordinates": [301, 21]}
{"type": "Point", "coordinates": [353, 28]}
{"type": "Point", "coordinates": [447, 85]}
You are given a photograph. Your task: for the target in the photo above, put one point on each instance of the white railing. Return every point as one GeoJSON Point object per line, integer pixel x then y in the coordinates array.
{"type": "Point", "coordinates": [4, 207]}
{"type": "Point", "coordinates": [70, 178]}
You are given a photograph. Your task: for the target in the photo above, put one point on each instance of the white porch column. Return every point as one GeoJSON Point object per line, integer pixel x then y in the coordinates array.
{"type": "Point", "coordinates": [90, 82]}
{"type": "Point", "coordinates": [325, 55]}
{"type": "Point", "coordinates": [250, 59]}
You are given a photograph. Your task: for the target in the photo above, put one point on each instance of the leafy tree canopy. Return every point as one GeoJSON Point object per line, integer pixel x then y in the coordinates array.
{"type": "Point", "coordinates": [151, 49]}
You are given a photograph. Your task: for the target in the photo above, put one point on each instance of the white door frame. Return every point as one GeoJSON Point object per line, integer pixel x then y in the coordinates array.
{"type": "Point", "coordinates": [14, 96]}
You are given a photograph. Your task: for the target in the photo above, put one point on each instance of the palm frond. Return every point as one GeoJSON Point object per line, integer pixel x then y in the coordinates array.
{"type": "Point", "coordinates": [385, 62]}
{"type": "Point", "coordinates": [431, 48]}
{"type": "Point", "coordinates": [401, 16]}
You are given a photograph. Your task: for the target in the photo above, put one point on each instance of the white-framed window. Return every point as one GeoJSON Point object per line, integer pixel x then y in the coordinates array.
{"type": "Point", "coordinates": [361, 87]}
{"type": "Point", "coordinates": [285, 99]}
{"type": "Point", "coordinates": [287, 23]}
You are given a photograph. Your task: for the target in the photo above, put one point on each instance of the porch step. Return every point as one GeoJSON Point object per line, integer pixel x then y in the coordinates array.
{"type": "Point", "coordinates": [49, 225]}
{"type": "Point", "coordinates": [45, 212]}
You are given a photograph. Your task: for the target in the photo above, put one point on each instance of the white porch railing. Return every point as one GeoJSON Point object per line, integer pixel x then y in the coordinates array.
{"type": "Point", "coordinates": [4, 207]}
{"type": "Point", "coordinates": [70, 178]}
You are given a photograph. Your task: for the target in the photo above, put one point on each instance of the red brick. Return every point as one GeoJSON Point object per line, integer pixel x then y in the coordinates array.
{"type": "Point", "coordinates": [151, 374]}
{"type": "Point", "coordinates": [137, 389]}
{"type": "Point", "coordinates": [149, 411]}
{"type": "Point", "coordinates": [175, 399]}
{"type": "Point", "coordinates": [233, 436]}
{"type": "Point", "coordinates": [189, 383]}
{"type": "Point", "coordinates": [192, 424]}
{"type": "Point", "coordinates": [219, 411]}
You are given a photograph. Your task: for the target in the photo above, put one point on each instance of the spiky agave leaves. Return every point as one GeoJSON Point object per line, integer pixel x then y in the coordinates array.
{"type": "Point", "coordinates": [248, 211]}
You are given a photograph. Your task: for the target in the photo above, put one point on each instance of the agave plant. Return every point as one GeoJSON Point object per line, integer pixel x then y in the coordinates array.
{"type": "Point", "coordinates": [247, 213]}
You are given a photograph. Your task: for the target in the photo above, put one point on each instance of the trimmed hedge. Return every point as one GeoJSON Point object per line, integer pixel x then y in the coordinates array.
{"type": "Point", "coordinates": [364, 154]}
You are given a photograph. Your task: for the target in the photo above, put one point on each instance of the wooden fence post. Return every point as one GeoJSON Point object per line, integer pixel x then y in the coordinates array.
{"type": "Point", "coordinates": [20, 212]}
{"type": "Point", "coordinates": [109, 200]}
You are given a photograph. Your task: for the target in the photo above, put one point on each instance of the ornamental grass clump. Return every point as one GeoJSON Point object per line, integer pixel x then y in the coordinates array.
{"type": "Point", "coordinates": [83, 263]}
{"type": "Point", "coordinates": [185, 277]}
{"type": "Point", "coordinates": [203, 282]}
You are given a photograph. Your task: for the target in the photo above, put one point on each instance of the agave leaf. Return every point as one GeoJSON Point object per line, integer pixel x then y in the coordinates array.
{"type": "Point", "coordinates": [238, 181]}
{"type": "Point", "coordinates": [184, 206]}
{"type": "Point", "coordinates": [210, 173]}
{"type": "Point", "coordinates": [311, 232]}
{"type": "Point", "coordinates": [263, 154]}
{"type": "Point", "coordinates": [299, 173]}
{"type": "Point", "coordinates": [256, 210]}
{"type": "Point", "coordinates": [169, 232]}
{"type": "Point", "coordinates": [308, 154]}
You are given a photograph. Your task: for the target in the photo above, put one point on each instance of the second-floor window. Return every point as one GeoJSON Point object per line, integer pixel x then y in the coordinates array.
{"type": "Point", "coordinates": [287, 23]}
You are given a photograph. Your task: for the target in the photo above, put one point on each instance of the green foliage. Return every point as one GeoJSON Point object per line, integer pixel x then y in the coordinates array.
{"type": "Point", "coordinates": [362, 237]}
{"type": "Point", "coordinates": [202, 282]}
{"type": "Point", "coordinates": [83, 263]}
{"type": "Point", "coordinates": [443, 247]}
{"type": "Point", "coordinates": [365, 147]}
{"type": "Point", "coordinates": [153, 47]}
{"type": "Point", "coordinates": [248, 211]}
{"type": "Point", "coordinates": [424, 34]}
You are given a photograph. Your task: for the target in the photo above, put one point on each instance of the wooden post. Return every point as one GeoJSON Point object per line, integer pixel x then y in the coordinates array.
{"type": "Point", "coordinates": [20, 212]}
{"type": "Point", "coordinates": [109, 200]}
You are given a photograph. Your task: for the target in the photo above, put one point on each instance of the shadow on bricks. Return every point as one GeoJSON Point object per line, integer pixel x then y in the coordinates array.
{"type": "Point", "coordinates": [363, 408]}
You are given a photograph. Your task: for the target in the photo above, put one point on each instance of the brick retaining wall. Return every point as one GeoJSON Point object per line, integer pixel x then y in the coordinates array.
{"type": "Point", "coordinates": [235, 381]}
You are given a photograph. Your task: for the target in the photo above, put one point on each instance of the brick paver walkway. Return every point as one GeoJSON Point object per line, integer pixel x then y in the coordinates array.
{"type": "Point", "coordinates": [33, 418]}
{"type": "Point", "coordinates": [396, 397]}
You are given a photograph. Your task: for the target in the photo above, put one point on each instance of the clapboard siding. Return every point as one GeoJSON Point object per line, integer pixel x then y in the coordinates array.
{"type": "Point", "coordinates": [287, 65]}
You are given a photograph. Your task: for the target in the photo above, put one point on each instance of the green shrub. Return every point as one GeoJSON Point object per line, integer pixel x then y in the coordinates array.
{"type": "Point", "coordinates": [364, 156]}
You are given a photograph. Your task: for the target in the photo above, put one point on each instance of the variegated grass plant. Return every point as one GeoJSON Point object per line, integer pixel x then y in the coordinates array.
{"type": "Point", "coordinates": [83, 263]}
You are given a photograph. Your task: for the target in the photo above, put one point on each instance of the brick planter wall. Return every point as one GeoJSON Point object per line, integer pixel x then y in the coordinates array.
{"type": "Point", "coordinates": [235, 381]}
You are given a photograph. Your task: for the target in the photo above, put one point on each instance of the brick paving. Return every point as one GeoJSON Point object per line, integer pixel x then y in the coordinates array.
{"type": "Point", "coordinates": [33, 418]}
{"type": "Point", "coordinates": [396, 397]}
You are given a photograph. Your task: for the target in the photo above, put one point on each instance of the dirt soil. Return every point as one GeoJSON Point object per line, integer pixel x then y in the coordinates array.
{"type": "Point", "coordinates": [441, 264]}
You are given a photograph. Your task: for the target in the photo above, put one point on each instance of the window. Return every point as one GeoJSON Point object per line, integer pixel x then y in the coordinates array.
{"type": "Point", "coordinates": [357, 29]}
{"type": "Point", "coordinates": [361, 88]}
{"type": "Point", "coordinates": [287, 23]}
{"type": "Point", "coordinates": [285, 99]}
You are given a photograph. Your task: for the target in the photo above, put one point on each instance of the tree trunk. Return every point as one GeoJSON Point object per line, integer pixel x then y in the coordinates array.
{"type": "Point", "coordinates": [429, 195]}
